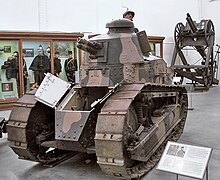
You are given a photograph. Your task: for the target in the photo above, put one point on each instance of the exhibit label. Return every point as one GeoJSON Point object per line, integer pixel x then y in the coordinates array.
{"type": "Point", "coordinates": [185, 159]}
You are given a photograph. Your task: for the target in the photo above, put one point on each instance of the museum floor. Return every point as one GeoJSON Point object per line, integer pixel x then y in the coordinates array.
{"type": "Point", "coordinates": [202, 129]}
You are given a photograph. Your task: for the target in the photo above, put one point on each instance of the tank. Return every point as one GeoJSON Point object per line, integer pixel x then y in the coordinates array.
{"type": "Point", "coordinates": [123, 110]}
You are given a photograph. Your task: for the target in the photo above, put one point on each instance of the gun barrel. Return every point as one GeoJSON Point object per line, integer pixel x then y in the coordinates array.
{"type": "Point", "coordinates": [193, 27]}
{"type": "Point", "coordinates": [85, 42]}
{"type": "Point", "coordinates": [87, 48]}
{"type": "Point", "coordinates": [90, 44]}
{"type": "Point", "coordinates": [191, 23]}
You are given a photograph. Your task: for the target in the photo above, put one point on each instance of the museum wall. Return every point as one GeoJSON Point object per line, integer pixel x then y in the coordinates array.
{"type": "Point", "coordinates": [19, 15]}
{"type": "Point", "coordinates": [210, 10]}
{"type": "Point", "coordinates": [91, 16]}
{"type": "Point", "coordinates": [157, 17]}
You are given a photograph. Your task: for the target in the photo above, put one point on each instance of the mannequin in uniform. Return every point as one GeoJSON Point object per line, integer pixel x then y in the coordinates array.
{"type": "Point", "coordinates": [40, 65]}
{"type": "Point", "coordinates": [24, 68]}
{"type": "Point", "coordinates": [10, 68]}
{"type": "Point", "coordinates": [25, 72]}
{"type": "Point", "coordinates": [57, 64]}
{"type": "Point", "coordinates": [70, 66]}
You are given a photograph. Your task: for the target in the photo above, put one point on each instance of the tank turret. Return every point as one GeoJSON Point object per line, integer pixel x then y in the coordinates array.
{"type": "Point", "coordinates": [120, 55]}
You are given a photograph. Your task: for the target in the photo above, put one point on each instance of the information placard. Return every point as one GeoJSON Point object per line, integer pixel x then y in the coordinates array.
{"type": "Point", "coordinates": [186, 160]}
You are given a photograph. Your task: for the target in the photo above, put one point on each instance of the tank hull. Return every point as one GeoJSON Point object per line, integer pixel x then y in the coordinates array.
{"type": "Point", "coordinates": [130, 129]}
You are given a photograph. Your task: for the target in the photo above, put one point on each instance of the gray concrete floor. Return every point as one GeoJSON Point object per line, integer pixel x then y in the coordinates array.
{"type": "Point", "coordinates": [202, 129]}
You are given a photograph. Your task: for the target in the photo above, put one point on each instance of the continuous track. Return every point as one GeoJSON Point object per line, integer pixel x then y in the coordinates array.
{"type": "Point", "coordinates": [28, 121]}
{"type": "Point", "coordinates": [114, 124]}
{"type": "Point", "coordinates": [117, 120]}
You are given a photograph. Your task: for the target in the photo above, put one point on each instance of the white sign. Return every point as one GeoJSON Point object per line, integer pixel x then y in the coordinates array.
{"type": "Point", "coordinates": [185, 159]}
{"type": "Point", "coordinates": [51, 90]}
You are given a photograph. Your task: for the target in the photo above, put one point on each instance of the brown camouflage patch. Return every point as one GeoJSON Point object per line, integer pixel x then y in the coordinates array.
{"type": "Point", "coordinates": [69, 119]}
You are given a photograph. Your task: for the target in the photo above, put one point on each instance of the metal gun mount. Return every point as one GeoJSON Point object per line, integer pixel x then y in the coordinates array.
{"type": "Point", "coordinates": [201, 37]}
{"type": "Point", "coordinates": [90, 47]}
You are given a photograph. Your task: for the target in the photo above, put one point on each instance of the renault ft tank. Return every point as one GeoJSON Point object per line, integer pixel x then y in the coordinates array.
{"type": "Point", "coordinates": [124, 109]}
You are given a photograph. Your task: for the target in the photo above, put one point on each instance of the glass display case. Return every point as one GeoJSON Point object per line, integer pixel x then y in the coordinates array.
{"type": "Point", "coordinates": [20, 63]}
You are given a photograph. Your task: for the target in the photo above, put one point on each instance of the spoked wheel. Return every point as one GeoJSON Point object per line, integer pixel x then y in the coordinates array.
{"type": "Point", "coordinates": [209, 33]}
{"type": "Point", "coordinates": [178, 33]}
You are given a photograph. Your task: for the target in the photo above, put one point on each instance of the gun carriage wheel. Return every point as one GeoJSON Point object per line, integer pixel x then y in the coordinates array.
{"type": "Point", "coordinates": [178, 33]}
{"type": "Point", "coordinates": [209, 32]}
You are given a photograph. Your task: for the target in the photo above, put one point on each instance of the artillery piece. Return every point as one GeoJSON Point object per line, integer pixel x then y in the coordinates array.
{"type": "Point", "coordinates": [199, 36]}
{"type": "Point", "coordinates": [124, 109]}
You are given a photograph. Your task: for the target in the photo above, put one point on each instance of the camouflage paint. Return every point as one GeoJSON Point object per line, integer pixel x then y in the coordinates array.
{"type": "Point", "coordinates": [70, 124]}
{"type": "Point", "coordinates": [69, 119]}
{"type": "Point", "coordinates": [98, 78]}
{"type": "Point", "coordinates": [129, 51]}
